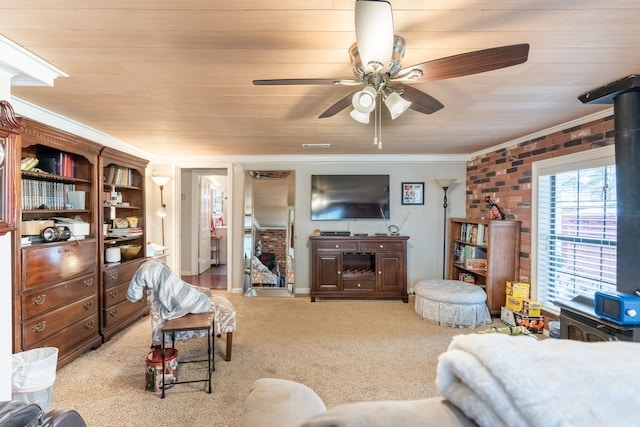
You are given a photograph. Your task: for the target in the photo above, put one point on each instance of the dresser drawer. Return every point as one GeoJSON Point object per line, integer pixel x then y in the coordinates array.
{"type": "Point", "coordinates": [45, 326]}
{"type": "Point", "coordinates": [339, 245]}
{"type": "Point", "coordinates": [39, 302]}
{"type": "Point", "coordinates": [116, 294]}
{"type": "Point", "coordinates": [55, 262]}
{"type": "Point", "coordinates": [122, 311]}
{"type": "Point", "coordinates": [117, 274]}
{"type": "Point", "coordinates": [73, 335]}
{"type": "Point", "coordinates": [359, 285]}
{"type": "Point", "coordinates": [381, 246]}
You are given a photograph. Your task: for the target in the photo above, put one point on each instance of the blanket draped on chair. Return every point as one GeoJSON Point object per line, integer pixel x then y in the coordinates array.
{"type": "Point", "coordinates": [176, 296]}
{"type": "Point", "coordinates": [169, 298]}
{"type": "Point", "coordinates": [502, 380]}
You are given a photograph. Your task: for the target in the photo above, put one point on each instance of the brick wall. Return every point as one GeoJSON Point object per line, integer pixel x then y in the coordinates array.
{"type": "Point", "coordinates": [505, 176]}
{"type": "Point", "coordinates": [274, 240]}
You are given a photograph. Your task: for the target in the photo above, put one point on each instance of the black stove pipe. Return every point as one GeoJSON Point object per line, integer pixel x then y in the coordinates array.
{"type": "Point", "coordinates": [625, 95]}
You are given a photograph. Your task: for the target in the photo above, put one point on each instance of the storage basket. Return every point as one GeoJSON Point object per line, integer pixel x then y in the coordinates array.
{"type": "Point", "coordinates": [154, 369]}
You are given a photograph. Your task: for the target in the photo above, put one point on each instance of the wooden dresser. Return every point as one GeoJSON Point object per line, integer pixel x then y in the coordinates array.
{"type": "Point", "coordinates": [359, 267]}
{"type": "Point", "coordinates": [59, 297]}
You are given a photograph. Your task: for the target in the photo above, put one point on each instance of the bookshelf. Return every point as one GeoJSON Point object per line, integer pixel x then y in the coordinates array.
{"type": "Point", "coordinates": [56, 296]}
{"type": "Point", "coordinates": [122, 218]}
{"type": "Point", "coordinates": [486, 253]}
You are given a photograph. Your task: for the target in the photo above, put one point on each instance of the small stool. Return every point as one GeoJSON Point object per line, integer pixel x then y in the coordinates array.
{"type": "Point", "coordinates": [190, 322]}
{"type": "Point", "coordinates": [451, 303]}
{"type": "Point", "coordinates": [224, 321]}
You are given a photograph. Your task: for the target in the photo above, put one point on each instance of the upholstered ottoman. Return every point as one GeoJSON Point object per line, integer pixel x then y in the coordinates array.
{"type": "Point", "coordinates": [224, 320]}
{"type": "Point", "coordinates": [451, 303]}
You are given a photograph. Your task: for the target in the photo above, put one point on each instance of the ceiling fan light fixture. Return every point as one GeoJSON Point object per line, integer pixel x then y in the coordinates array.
{"type": "Point", "coordinates": [364, 100]}
{"type": "Point", "coordinates": [374, 34]}
{"type": "Point", "coordinates": [396, 104]}
{"type": "Point", "coordinates": [359, 116]}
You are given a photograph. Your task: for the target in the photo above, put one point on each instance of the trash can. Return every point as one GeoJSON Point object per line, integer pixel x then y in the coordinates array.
{"type": "Point", "coordinates": [33, 375]}
{"type": "Point", "coordinates": [155, 368]}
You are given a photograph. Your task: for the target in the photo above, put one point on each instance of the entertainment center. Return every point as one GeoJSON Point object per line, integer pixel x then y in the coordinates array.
{"type": "Point", "coordinates": [359, 267]}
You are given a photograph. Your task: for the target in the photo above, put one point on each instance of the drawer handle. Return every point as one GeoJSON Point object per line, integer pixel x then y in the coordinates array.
{"type": "Point", "coordinates": [339, 271]}
{"type": "Point", "coordinates": [358, 284]}
{"type": "Point", "coordinates": [39, 300]}
{"type": "Point", "coordinates": [379, 272]}
{"type": "Point", "coordinates": [381, 246]}
{"type": "Point", "coordinates": [114, 312]}
{"type": "Point", "coordinates": [89, 325]}
{"type": "Point", "coordinates": [88, 282]}
{"type": "Point", "coordinates": [89, 305]}
{"type": "Point", "coordinates": [113, 293]}
{"type": "Point", "coordinates": [113, 276]}
{"type": "Point", "coordinates": [63, 250]}
{"type": "Point", "coordinates": [337, 246]}
{"type": "Point", "coordinates": [39, 327]}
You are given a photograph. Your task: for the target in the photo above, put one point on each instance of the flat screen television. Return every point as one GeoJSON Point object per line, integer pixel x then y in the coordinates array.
{"type": "Point", "coordinates": [344, 197]}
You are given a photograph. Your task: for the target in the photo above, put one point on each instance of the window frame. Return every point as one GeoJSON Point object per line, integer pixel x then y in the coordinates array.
{"type": "Point", "coordinates": [596, 157]}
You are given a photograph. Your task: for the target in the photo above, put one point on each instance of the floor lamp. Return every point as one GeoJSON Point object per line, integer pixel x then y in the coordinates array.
{"type": "Point", "coordinates": [445, 183]}
{"type": "Point", "coordinates": [161, 181]}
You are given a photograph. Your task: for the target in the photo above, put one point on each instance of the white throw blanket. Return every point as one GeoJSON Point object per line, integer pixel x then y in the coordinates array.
{"type": "Point", "coordinates": [503, 380]}
{"type": "Point", "coordinates": [176, 296]}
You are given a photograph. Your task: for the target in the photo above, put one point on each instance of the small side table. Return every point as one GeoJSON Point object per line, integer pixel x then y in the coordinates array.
{"type": "Point", "coordinates": [215, 249]}
{"type": "Point", "coordinates": [191, 322]}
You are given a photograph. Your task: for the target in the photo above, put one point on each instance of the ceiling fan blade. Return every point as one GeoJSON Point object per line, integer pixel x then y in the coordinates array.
{"type": "Point", "coordinates": [338, 106]}
{"type": "Point", "coordinates": [312, 81]}
{"type": "Point", "coordinates": [465, 64]}
{"type": "Point", "coordinates": [420, 101]}
{"type": "Point", "coordinates": [374, 34]}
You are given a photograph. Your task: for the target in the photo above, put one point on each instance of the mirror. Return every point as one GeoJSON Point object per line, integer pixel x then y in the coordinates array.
{"type": "Point", "coordinates": [268, 248]}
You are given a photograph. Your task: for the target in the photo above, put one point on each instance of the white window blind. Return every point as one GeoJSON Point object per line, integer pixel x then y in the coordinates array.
{"type": "Point", "coordinates": [576, 232]}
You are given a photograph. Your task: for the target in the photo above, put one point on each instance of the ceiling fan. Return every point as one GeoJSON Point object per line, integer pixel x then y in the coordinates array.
{"type": "Point", "coordinates": [376, 58]}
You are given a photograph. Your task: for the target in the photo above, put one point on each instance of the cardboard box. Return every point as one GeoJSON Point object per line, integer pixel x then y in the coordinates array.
{"type": "Point", "coordinates": [33, 228]}
{"type": "Point", "coordinates": [76, 228]}
{"type": "Point", "coordinates": [467, 277]}
{"type": "Point", "coordinates": [476, 264]}
{"type": "Point", "coordinates": [507, 316]}
{"type": "Point", "coordinates": [533, 324]}
{"type": "Point", "coordinates": [524, 306]}
{"type": "Point", "coordinates": [518, 289]}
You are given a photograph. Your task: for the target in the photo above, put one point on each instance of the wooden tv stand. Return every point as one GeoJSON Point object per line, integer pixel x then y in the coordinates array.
{"type": "Point", "coordinates": [359, 267]}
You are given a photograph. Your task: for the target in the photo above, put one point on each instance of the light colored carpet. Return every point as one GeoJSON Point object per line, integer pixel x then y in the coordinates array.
{"type": "Point", "coordinates": [346, 350]}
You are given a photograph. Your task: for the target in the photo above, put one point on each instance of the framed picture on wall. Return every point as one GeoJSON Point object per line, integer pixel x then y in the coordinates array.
{"type": "Point", "coordinates": [413, 193]}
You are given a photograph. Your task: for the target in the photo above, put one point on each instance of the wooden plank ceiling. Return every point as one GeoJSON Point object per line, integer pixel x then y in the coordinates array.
{"type": "Point", "coordinates": [176, 77]}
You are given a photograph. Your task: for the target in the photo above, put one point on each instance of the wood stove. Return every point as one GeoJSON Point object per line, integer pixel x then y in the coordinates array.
{"type": "Point", "coordinates": [577, 317]}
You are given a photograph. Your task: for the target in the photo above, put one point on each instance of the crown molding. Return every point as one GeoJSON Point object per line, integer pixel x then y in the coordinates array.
{"type": "Point", "coordinates": [26, 68]}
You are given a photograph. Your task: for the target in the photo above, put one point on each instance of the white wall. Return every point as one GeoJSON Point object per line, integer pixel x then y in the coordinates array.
{"type": "Point", "coordinates": [422, 223]}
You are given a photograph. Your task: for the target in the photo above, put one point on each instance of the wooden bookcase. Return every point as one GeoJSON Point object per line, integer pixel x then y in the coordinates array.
{"type": "Point", "coordinates": [122, 199]}
{"type": "Point", "coordinates": [65, 295]}
{"type": "Point", "coordinates": [56, 296]}
{"type": "Point", "coordinates": [494, 250]}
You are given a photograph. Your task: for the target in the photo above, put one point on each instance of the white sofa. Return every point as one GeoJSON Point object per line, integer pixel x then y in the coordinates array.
{"type": "Point", "coordinates": [277, 402]}
{"type": "Point", "coordinates": [483, 379]}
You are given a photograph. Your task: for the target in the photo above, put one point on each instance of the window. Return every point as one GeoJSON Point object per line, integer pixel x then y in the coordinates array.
{"type": "Point", "coordinates": [575, 226]}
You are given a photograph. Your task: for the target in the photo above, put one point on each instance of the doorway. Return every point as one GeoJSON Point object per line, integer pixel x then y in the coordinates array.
{"type": "Point", "coordinates": [205, 209]}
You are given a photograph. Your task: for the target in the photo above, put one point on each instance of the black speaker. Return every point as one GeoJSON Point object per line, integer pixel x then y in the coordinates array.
{"type": "Point", "coordinates": [55, 234]}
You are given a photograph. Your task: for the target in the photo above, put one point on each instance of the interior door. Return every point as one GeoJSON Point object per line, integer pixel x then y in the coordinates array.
{"type": "Point", "coordinates": [204, 224]}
